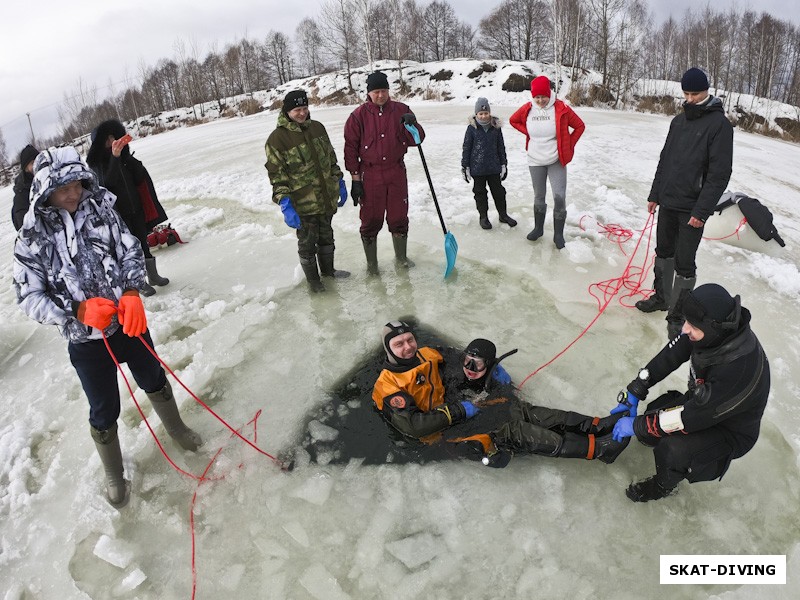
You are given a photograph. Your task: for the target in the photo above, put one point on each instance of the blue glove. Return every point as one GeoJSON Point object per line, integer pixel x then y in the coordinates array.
{"type": "Point", "coordinates": [501, 375]}
{"type": "Point", "coordinates": [470, 409]}
{"type": "Point", "coordinates": [627, 402]}
{"type": "Point", "coordinates": [290, 216]}
{"type": "Point", "coordinates": [503, 173]}
{"type": "Point", "coordinates": [623, 429]}
{"type": "Point", "coordinates": [342, 192]}
{"type": "Point", "coordinates": [414, 133]}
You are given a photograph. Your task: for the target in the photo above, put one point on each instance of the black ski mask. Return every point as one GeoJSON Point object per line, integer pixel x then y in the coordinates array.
{"type": "Point", "coordinates": [392, 330]}
{"type": "Point", "coordinates": [712, 310]}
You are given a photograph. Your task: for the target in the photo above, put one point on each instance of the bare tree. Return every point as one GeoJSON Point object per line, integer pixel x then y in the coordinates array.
{"type": "Point", "coordinates": [278, 55]}
{"type": "Point", "coordinates": [440, 27]}
{"type": "Point", "coordinates": [602, 23]}
{"type": "Point", "coordinates": [339, 31]}
{"type": "Point", "coordinates": [4, 160]}
{"type": "Point", "coordinates": [309, 41]}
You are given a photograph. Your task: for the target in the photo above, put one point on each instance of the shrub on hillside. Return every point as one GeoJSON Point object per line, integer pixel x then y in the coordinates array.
{"type": "Point", "coordinates": [791, 127]}
{"type": "Point", "coordinates": [250, 106]}
{"type": "Point", "coordinates": [665, 105]}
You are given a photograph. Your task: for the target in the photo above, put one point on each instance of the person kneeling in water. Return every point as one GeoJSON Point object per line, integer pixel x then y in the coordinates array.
{"type": "Point", "coordinates": [410, 395]}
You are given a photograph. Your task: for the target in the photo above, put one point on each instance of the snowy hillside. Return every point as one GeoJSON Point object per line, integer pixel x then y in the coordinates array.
{"type": "Point", "coordinates": [504, 83]}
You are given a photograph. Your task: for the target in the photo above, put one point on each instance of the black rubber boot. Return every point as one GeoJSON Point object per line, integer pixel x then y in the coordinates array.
{"type": "Point", "coordinates": [167, 410]}
{"type": "Point", "coordinates": [683, 285]}
{"type": "Point", "coordinates": [648, 489]}
{"type": "Point", "coordinates": [558, 231]}
{"type": "Point", "coordinates": [505, 218]}
{"type": "Point", "coordinates": [538, 230]}
{"type": "Point", "coordinates": [663, 277]}
{"type": "Point", "coordinates": [107, 444]}
{"type": "Point", "coordinates": [325, 259]}
{"type": "Point", "coordinates": [147, 290]}
{"type": "Point", "coordinates": [484, 221]}
{"type": "Point", "coordinates": [606, 449]}
{"type": "Point", "coordinates": [371, 252]}
{"type": "Point", "coordinates": [400, 242]}
{"type": "Point", "coordinates": [152, 273]}
{"type": "Point", "coordinates": [309, 266]}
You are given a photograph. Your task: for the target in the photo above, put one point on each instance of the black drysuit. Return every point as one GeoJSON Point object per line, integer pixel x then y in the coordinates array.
{"type": "Point", "coordinates": [718, 419]}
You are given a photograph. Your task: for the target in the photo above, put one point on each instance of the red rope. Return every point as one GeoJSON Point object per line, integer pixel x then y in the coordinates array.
{"type": "Point", "coordinates": [204, 476]}
{"type": "Point", "coordinates": [611, 287]}
{"type": "Point", "coordinates": [735, 233]}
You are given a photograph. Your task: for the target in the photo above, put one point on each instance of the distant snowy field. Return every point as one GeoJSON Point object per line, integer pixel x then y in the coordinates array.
{"type": "Point", "coordinates": [241, 330]}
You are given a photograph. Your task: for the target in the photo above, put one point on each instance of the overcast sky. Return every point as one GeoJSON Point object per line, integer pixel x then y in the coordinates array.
{"type": "Point", "coordinates": [47, 45]}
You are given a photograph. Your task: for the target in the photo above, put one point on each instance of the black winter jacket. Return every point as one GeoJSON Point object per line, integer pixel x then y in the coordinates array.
{"type": "Point", "coordinates": [728, 388]}
{"type": "Point", "coordinates": [696, 161]}
{"type": "Point", "coordinates": [22, 191]}
{"type": "Point", "coordinates": [124, 176]}
{"type": "Point", "coordinates": [484, 150]}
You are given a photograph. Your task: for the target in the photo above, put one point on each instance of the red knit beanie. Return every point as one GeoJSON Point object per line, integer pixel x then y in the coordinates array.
{"type": "Point", "coordinates": [540, 86]}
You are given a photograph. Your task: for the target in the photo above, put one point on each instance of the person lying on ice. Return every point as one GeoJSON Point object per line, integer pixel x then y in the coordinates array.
{"type": "Point", "coordinates": [410, 395]}
{"type": "Point", "coordinates": [696, 435]}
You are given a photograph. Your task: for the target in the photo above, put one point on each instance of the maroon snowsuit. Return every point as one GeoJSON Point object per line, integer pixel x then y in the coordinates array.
{"type": "Point", "coordinates": [375, 142]}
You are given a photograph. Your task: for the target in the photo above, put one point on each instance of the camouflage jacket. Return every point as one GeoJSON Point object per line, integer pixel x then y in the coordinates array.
{"type": "Point", "coordinates": [301, 163]}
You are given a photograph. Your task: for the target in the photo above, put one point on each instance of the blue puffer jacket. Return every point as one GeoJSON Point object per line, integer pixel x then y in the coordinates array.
{"type": "Point", "coordinates": [61, 259]}
{"type": "Point", "coordinates": [484, 150]}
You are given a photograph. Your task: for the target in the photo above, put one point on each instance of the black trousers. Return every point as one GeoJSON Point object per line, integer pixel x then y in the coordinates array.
{"type": "Point", "coordinates": [676, 238]}
{"type": "Point", "coordinates": [98, 373]}
{"type": "Point", "coordinates": [699, 456]}
{"type": "Point", "coordinates": [479, 183]}
{"type": "Point", "coordinates": [138, 227]}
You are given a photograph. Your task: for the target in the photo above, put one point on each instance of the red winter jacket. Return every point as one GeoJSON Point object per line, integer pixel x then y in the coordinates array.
{"type": "Point", "coordinates": [566, 118]}
{"type": "Point", "coordinates": [374, 136]}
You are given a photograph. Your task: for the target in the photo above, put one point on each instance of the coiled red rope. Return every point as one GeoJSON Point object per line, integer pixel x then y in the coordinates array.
{"type": "Point", "coordinates": [631, 279]}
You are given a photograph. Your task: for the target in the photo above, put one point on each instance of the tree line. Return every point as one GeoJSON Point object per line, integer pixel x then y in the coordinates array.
{"type": "Point", "coordinates": [742, 51]}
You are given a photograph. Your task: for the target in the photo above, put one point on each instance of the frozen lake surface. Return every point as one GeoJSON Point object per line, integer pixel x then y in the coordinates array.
{"type": "Point", "coordinates": [239, 327]}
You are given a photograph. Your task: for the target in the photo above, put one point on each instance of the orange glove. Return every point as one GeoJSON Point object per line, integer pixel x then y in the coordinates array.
{"type": "Point", "coordinates": [131, 314]}
{"type": "Point", "coordinates": [96, 312]}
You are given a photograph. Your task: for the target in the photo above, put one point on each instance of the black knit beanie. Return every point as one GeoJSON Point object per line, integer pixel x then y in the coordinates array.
{"type": "Point", "coordinates": [377, 81]}
{"type": "Point", "coordinates": [694, 80]}
{"type": "Point", "coordinates": [294, 99]}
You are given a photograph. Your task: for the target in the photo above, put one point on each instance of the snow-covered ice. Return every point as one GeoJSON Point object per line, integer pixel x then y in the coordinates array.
{"type": "Point", "coordinates": [239, 327]}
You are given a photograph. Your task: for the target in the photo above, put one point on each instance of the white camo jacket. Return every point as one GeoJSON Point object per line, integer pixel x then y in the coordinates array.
{"type": "Point", "coordinates": [62, 258]}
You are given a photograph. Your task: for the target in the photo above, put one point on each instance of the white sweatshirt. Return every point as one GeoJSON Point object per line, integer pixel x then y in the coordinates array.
{"type": "Point", "coordinates": [541, 123]}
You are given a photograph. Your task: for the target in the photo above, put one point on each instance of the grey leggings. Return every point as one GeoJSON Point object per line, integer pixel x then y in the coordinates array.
{"type": "Point", "coordinates": [557, 173]}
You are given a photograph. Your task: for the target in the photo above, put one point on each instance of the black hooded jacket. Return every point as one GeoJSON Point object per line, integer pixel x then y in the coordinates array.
{"type": "Point", "coordinates": [696, 161]}
{"type": "Point", "coordinates": [123, 176]}
{"type": "Point", "coordinates": [728, 388]}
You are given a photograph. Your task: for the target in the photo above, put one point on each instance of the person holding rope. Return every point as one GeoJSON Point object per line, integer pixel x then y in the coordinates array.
{"type": "Point", "coordinates": [77, 266]}
{"type": "Point", "coordinates": [693, 170]}
{"type": "Point", "coordinates": [696, 434]}
{"type": "Point", "coordinates": [410, 395]}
